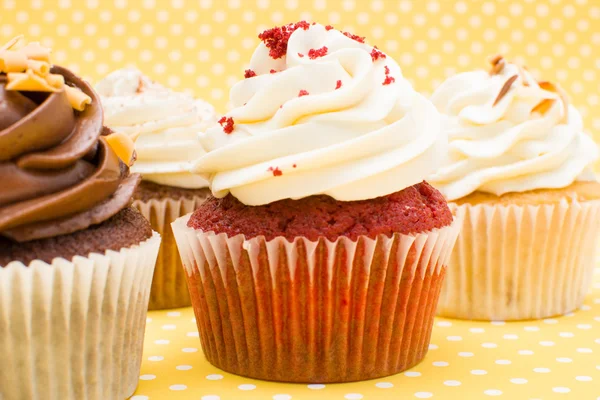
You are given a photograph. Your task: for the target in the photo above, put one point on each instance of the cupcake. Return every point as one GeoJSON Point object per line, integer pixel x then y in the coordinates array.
{"type": "Point", "coordinates": [76, 261]}
{"type": "Point", "coordinates": [321, 255]}
{"type": "Point", "coordinates": [166, 124]}
{"type": "Point", "coordinates": [520, 171]}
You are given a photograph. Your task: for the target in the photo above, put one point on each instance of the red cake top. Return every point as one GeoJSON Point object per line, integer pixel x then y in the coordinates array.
{"type": "Point", "coordinates": [416, 209]}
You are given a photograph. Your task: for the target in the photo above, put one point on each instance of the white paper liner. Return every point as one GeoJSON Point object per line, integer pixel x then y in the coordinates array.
{"type": "Point", "coordinates": [75, 330]}
{"type": "Point", "coordinates": [521, 262]}
{"type": "Point", "coordinates": [169, 286]}
{"type": "Point", "coordinates": [307, 311]}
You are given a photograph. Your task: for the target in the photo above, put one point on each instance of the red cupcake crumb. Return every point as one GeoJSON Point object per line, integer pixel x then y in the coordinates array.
{"type": "Point", "coordinates": [386, 69]}
{"type": "Point", "coordinates": [249, 73]}
{"type": "Point", "coordinates": [276, 171]}
{"type": "Point", "coordinates": [276, 39]}
{"type": "Point", "coordinates": [360, 39]}
{"type": "Point", "coordinates": [416, 209]}
{"type": "Point", "coordinates": [338, 84]}
{"type": "Point", "coordinates": [303, 93]}
{"type": "Point", "coordinates": [316, 53]}
{"type": "Point", "coordinates": [300, 55]}
{"type": "Point", "coordinates": [388, 80]}
{"type": "Point", "coordinates": [294, 165]}
{"type": "Point", "coordinates": [227, 124]}
{"type": "Point", "coordinates": [272, 71]}
{"type": "Point", "coordinates": [328, 27]}
{"type": "Point", "coordinates": [376, 54]}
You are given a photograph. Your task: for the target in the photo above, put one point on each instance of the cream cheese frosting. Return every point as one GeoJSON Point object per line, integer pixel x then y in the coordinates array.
{"type": "Point", "coordinates": [168, 124]}
{"type": "Point", "coordinates": [509, 133]}
{"type": "Point", "coordinates": [328, 114]}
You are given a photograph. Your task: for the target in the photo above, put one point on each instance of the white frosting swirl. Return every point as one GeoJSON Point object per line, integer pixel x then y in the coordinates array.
{"type": "Point", "coordinates": [361, 141]}
{"type": "Point", "coordinates": [168, 124]}
{"type": "Point", "coordinates": [510, 146]}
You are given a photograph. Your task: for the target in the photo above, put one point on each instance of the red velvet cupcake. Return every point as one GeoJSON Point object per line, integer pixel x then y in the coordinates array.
{"type": "Point", "coordinates": [321, 257]}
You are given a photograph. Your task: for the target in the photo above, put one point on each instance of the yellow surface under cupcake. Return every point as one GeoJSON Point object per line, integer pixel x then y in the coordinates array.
{"type": "Point", "coordinates": [549, 359]}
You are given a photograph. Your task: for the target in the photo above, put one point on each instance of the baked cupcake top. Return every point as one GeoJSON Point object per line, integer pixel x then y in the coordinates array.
{"type": "Point", "coordinates": [320, 112]}
{"type": "Point", "coordinates": [167, 122]}
{"type": "Point", "coordinates": [61, 172]}
{"type": "Point", "coordinates": [508, 132]}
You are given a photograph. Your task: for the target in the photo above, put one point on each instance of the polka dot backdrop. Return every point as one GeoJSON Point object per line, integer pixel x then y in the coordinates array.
{"type": "Point", "coordinates": [203, 45]}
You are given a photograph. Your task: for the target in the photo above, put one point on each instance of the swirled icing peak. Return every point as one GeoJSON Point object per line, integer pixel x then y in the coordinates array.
{"type": "Point", "coordinates": [167, 123]}
{"type": "Point", "coordinates": [509, 133]}
{"type": "Point", "coordinates": [58, 172]}
{"type": "Point", "coordinates": [320, 112]}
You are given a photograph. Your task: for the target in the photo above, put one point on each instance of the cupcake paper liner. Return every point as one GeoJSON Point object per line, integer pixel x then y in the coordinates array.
{"type": "Point", "coordinates": [314, 312]}
{"type": "Point", "coordinates": [521, 262]}
{"type": "Point", "coordinates": [75, 330]}
{"type": "Point", "coordinates": [169, 286]}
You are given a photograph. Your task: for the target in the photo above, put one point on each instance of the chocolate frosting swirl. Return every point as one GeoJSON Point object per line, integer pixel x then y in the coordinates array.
{"type": "Point", "coordinates": [58, 174]}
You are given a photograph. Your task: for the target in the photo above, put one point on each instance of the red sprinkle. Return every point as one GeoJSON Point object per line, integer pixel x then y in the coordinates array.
{"type": "Point", "coordinates": [276, 39]}
{"type": "Point", "coordinates": [303, 93]}
{"type": "Point", "coordinates": [338, 85]}
{"type": "Point", "coordinates": [328, 27]}
{"type": "Point", "coordinates": [387, 70]}
{"type": "Point", "coordinates": [227, 124]}
{"type": "Point", "coordinates": [360, 39]}
{"type": "Point", "coordinates": [376, 54]}
{"type": "Point", "coordinates": [300, 55]}
{"type": "Point", "coordinates": [249, 73]}
{"type": "Point", "coordinates": [316, 53]}
{"type": "Point", "coordinates": [388, 80]}
{"type": "Point", "coordinates": [276, 171]}
{"type": "Point", "coordinates": [272, 71]}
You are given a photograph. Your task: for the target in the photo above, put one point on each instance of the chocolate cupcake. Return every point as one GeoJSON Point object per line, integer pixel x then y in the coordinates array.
{"type": "Point", "coordinates": [166, 124]}
{"type": "Point", "coordinates": [321, 257]}
{"type": "Point", "coordinates": [76, 261]}
{"type": "Point", "coordinates": [520, 170]}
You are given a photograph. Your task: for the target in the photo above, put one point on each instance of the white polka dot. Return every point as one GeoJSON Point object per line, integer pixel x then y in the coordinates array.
{"type": "Point", "coordinates": [282, 397]}
{"type": "Point", "coordinates": [488, 345]}
{"type": "Point", "coordinates": [452, 383]}
{"type": "Point", "coordinates": [210, 397]}
{"type": "Point", "coordinates": [316, 386]}
{"type": "Point", "coordinates": [541, 370]}
{"type": "Point", "coordinates": [550, 321]}
{"type": "Point", "coordinates": [177, 387]}
{"type": "Point", "coordinates": [169, 327]}
{"type": "Point", "coordinates": [433, 346]}
{"type": "Point", "coordinates": [147, 377]}
{"type": "Point", "coordinates": [584, 326]}
{"type": "Point", "coordinates": [156, 358]}
{"type": "Point", "coordinates": [503, 362]}
{"type": "Point", "coordinates": [493, 392]}
{"type": "Point", "coordinates": [183, 367]}
{"type": "Point", "coordinates": [584, 378]}
{"type": "Point", "coordinates": [423, 395]}
{"type": "Point", "coordinates": [566, 334]}
{"type": "Point", "coordinates": [561, 389]}
{"type": "Point", "coordinates": [454, 338]}
{"type": "Point", "coordinates": [532, 328]}
{"type": "Point", "coordinates": [564, 360]}
{"type": "Point", "coordinates": [139, 397]}
{"type": "Point", "coordinates": [247, 386]}
{"type": "Point", "coordinates": [444, 324]}
{"type": "Point", "coordinates": [412, 374]}
{"type": "Point", "coordinates": [478, 372]}
{"type": "Point", "coordinates": [214, 377]}
{"type": "Point", "coordinates": [191, 70]}
{"type": "Point", "coordinates": [440, 363]}
{"type": "Point", "coordinates": [189, 350]}
{"type": "Point", "coordinates": [584, 350]}
{"type": "Point", "coordinates": [353, 396]}
{"type": "Point", "coordinates": [525, 352]}
{"type": "Point", "coordinates": [510, 337]}
{"type": "Point", "coordinates": [519, 381]}
{"type": "Point", "coordinates": [466, 354]}
{"type": "Point", "coordinates": [173, 314]}
{"type": "Point", "coordinates": [476, 330]}
{"type": "Point", "coordinates": [547, 343]}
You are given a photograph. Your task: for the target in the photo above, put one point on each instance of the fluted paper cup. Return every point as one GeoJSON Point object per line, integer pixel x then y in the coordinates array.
{"type": "Point", "coordinates": [521, 262]}
{"type": "Point", "coordinates": [169, 286]}
{"type": "Point", "coordinates": [75, 329]}
{"type": "Point", "coordinates": [321, 311]}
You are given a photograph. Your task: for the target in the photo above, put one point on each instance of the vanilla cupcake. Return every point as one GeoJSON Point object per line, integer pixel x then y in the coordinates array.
{"type": "Point", "coordinates": [520, 172]}
{"type": "Point", "coordinates": [166, 125]}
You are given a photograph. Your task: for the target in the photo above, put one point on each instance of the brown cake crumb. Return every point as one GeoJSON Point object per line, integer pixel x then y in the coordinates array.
{"type": "Point", "coordinates": [416, 209]}
{"type": "Point", "coordinates": [126, 229]}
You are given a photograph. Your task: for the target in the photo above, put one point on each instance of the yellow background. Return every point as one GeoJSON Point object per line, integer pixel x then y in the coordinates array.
{"type": "Point", "coordinates": [203, 46]}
